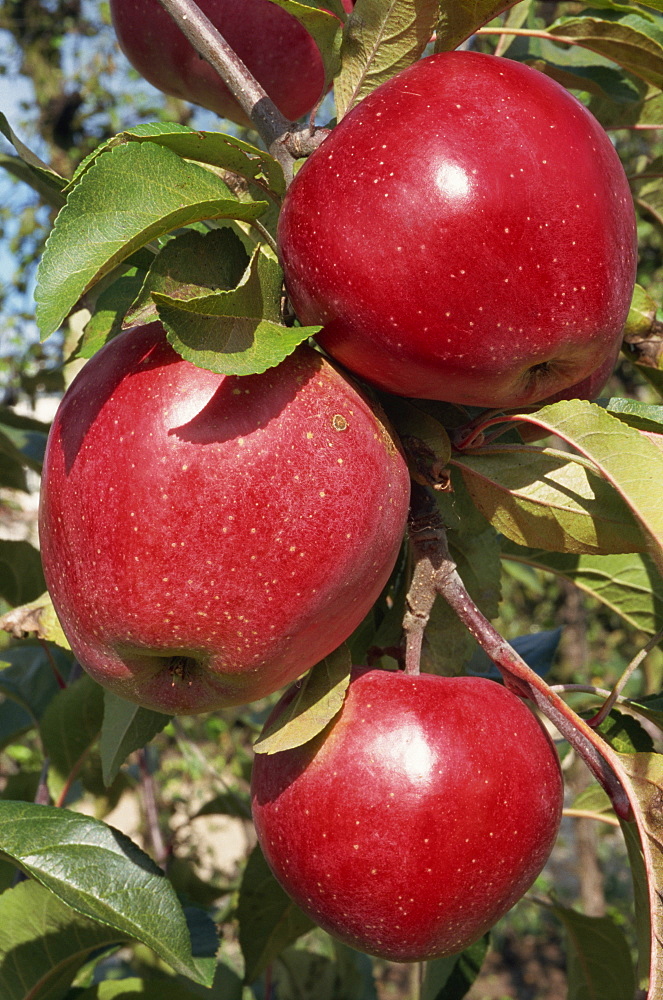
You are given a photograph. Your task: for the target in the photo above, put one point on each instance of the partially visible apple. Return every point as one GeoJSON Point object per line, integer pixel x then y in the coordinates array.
{"type": "Point", "coordinates": [420, 815]}
{"type": "Point", "coordinates": [274, 46]}
{"type": "Point", "coordinates": [207, 538]}
{"type": "Point", "coordinates": [466, 233]}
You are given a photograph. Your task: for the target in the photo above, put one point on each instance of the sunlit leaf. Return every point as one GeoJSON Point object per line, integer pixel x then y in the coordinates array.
{"type": "Point", "coordinates": [101, 874]}
{"type": "Point", "coordinates": [128, 197]}
{"type": "Point", "coordinates": [126, 727]}
{"type": "Point", "coordinates": [380, 38]}
{"type": "Point", "coordinates": [43, 943]}
{"type": "Point", "coordinates": [317, 700]}
{"type": "Point", "coordinates": [268, 919]}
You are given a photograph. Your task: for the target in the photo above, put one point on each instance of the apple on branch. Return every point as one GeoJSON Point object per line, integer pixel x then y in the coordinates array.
{"type": "Point", "coordinates": [205, 538]}
{"type": "Point", "coordinates": [273, 45]}
{"type": "Point", "coordinates": [466, 233]}
{"type": "Point", "coordinates": [417, 818]}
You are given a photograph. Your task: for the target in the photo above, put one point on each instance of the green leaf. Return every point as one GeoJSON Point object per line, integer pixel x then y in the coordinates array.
{"type": "Point", "coordinates": [644, 416]}
{"type": "Point", "coordinates": [215, 148]}
{"type": "Point", "coordinates": [318, 699]}
{"type": "Point", "coordinates": [448, 644]}
{"type": "Point", "coordinates": [69, 727]}
{"type": "Point", "coordinates": [593, 799]}
{"type": "Point", "coordinates": [36, 618]}
{"type": "Point", "coordinates": [231, 803]}
{"type": "Point", "coordinates": [189, 266]}
{"type": "Point", "coordinates": [451, 978]}
{"type": "Point", "coordinates": [26, 435]}
{"type": "Point", "coordinates": [109, 312]}
{"type": "Point", "coordinates": [632, 41]}
{"type": "Point", "coordinates": [28, 678]}
{"type": "Point", "coordinates": [625, 734]}
{"type": "Point", "coordinates": [548, 499]}
{"type": "Point", "coordinates": [30, 168]}
{"type": "Point", "coordinates": [21, 575]}
{"type": "Point", "coordinates": [325, 970]}
{"type": "Point", "coordinates": [630, 585]}
{"type": "Point", "coordinates": [599, 958]}
{"type": "Point", "coordinates": [460, 18]}
{"type": "Point", "coordinates": [129, 196]}
{"type": "Point", "coordinates": [640, 898]}
{"type": "Point", "coordinates": [234, 332]}
{"type": "Point", "coordinates": [269, 921]}
{"type": "Point", "coordinates": [380, 38]}
{"type": "Point", "coordinates": [425, 441]}
{"type": "Point", "coordinates": [126, 727]}
{"type": "Point", "coordinates": [44, 943]}
{"type": "Point", "coordinates": [103, 875]}
{"type": "Point", "coordinates": [163, 988]}
{"type": "Point", "coordinates": [625, 457]}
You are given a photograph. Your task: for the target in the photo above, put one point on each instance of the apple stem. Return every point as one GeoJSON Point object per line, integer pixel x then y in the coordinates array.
{"type": "Point", "coordinates": [285, 140]}
{"type": "Point", "coordinates": [431, 547]}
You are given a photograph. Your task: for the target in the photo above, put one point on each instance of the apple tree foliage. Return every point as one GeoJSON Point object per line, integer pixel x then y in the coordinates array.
{"type": "Point", "coordinates": [161, 221]}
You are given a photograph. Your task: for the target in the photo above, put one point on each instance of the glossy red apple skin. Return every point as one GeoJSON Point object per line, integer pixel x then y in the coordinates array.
{"type": "Point", "coordinates": [207, 538]}
{"type": "Point", "coordinates": [466, 233]}
{"type": "Point", "coordinates": [417, 819]}
{"type": "Point", "coordinates": [275, 47]}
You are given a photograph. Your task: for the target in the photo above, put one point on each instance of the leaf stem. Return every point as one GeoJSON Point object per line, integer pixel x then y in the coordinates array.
{"type": "Point", "coordinates": [608, 704]}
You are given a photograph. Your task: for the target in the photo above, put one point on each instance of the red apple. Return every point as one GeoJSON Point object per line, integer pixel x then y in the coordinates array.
{"type": "Point", "coordinates": [207, 538]}
{"type": "Point", "coordinates": [417, 818]}
{"type": "Point", "coordinates": [275, 47]}
{"type": "Point", "coordinates": [466, 233]}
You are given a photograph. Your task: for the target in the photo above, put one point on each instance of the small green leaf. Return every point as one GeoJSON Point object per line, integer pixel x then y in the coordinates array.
{"type": "Point", "coordinates": [103, 875]}
{"type": "Point", "coordinates": [27, 676]}
{"type": "Point", "coordinates": [451, 978]}
{"type": "Point", "coordinates": [625, 734]}
{"type": "Point", "coordinates": [425, 441]}
{"type": "Point", "coordinates": [644, 416]}
{"type": "Point", "coordinates": [109, 312]}
{"type": "Point", "coordinates": [30, 168]}
{"type": "Point", "coordinates": [599, 958]}
{"type": "Point", "coordinates": [380, 38]}
{"type": "Point", "coordinates": [188, 266]}
{"type": "Point", "coordinates": [460, 18]}
{"type": "Point", "coordinates": [21, 575]}
{"type": "Point", "coordinates": [235, 332]}
{"type": "Point", "coordinates": [44, 943]}
{"type": "Point", "coordinates": [231, 803]}
{"type": "Point", "coordinates": [126, 727]}
{"type": "Point", "coordinates": [318, 700]}
{"type": "Point", "coordinates": [448, 644]}
{"type": "Point", "coordinates": [269, 921]}
{"type": "Point", "coordinates": [69, 727]}
{"type": "Point", "coordinates": [128, 197]}
{"type": "Point", "coordinates": [26, 435]}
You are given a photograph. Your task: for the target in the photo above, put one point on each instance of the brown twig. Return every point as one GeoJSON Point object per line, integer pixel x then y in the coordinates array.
{"type": "Point", "coordinates": [285, 140]}
{"type": "Point", "coordinates": [149, 796]}
{"type": "Point", "coordinates": [517, 675]}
